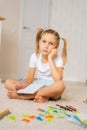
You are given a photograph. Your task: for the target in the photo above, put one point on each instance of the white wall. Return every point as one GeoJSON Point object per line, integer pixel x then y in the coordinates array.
{"type": "Point", "coordinates": [69, 18]}
{"type": "Point", "coordinates": [10, 10]}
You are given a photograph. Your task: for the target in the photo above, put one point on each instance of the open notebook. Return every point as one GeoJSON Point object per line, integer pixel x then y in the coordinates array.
{"type": "Point", "coordinates": [30, 89]}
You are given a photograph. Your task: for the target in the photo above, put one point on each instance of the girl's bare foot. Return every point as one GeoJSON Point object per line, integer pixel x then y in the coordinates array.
{"type": "Point", "coordinates": [40, 99]}
{"type": "Point", "coordinates": [14, 95]}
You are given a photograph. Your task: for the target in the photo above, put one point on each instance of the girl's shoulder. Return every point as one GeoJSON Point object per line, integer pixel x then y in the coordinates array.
{"type": "Point", "coordinates": [33, 60]}
{"type": "Point", "coordinates": [35, 56]}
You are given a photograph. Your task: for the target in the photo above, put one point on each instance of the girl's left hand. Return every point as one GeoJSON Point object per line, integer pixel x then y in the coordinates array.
{"type": "Point", "coordinates": [53, 54]}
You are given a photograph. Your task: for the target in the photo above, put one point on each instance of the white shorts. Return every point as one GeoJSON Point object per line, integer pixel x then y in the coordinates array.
{"type": "Point", "coordinates": [45, 82]}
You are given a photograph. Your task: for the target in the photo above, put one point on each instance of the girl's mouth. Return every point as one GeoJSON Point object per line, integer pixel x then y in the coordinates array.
{"type": "Point", "coordinates": [45, 50]}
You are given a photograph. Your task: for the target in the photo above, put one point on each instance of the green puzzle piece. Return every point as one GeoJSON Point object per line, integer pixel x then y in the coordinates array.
{"type": "Point", "coordinates": [12, 117]}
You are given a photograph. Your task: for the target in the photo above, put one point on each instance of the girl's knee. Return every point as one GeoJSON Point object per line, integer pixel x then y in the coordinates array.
{"type": "Point", "coordinates": [63, 86]}
{"type": "Point", "coordinates": [60, 86]}
{"type": "Point", "coordinates": [6, 83]}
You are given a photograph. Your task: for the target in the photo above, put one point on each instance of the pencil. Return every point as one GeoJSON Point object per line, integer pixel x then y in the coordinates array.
{"type": "Point", "coordinates": [64, 107]}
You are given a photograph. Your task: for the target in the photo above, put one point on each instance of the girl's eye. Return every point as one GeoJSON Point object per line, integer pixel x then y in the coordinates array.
{"type": "Point", "coordinates": [51, 43]}
{"type": "Point", "coordinates": [44, 41]}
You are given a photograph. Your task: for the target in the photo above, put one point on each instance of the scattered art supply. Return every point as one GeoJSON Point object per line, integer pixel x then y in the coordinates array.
{"type": "Point", "coordinates": [25, 115]}
{"type": "Point", "coordinates": [85, 101]}
{"type": "Point", "coordinates": [61, 116]}
{"type": "Point", "coordinates": [49, 116]}
{"type": "Point", "coordinates": [40, 109]}
{"type": "Point", "coordinates": [72, 108]}
{"type": "Point", "coordinates": [66, 107]}
{"type": "Point", "coordinates": [39, 118]}
{"type": "Point", "coordinates": [4, 113]}
{"type": "Point", "coordinates": [32, 116]}
{"type": "Point", "coordinates": [68, 115]}
{"type": "Point", "coordinates": [25, 120]}
{"type": "Point", "coordinates": [82, 118]}
{"type": "Point", "coordinates": [50, 120]}
{"type": "Point", "coordinates": [52, 114]}
{"type": "Point", "coordinates": [12, 117]}
{"type": "Point", "coordinates": [75, 120]}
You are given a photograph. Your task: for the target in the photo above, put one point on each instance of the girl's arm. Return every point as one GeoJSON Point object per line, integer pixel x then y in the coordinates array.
{"type": "Point", "coordinates": [57, 72]}
{"type": "Point", "coordinates": [29, 79]}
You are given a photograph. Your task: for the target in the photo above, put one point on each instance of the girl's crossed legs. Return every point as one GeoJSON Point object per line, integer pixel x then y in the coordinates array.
{"type": "Point", "coordinates": [53, 91]}
{"type": "Point", "coordinates": [12, 92]}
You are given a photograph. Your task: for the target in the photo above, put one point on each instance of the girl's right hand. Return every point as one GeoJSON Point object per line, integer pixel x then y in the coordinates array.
{"type": "Point", "coordinates": [20, 85]}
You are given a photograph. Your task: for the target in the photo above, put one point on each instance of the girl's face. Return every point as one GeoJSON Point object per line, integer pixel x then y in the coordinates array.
{"type": "Point", "coordinates": [47, 43]}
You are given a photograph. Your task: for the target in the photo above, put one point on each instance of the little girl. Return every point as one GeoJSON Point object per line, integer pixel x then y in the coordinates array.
{"type": "Point", "coordinates": [46, 66]}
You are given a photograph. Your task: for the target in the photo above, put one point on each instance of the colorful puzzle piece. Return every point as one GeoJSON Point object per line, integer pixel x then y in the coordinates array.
{"type": "Point", "coordinates": [11, 117]}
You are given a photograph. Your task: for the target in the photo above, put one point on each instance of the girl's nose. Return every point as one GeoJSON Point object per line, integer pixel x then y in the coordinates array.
{"type": "Point", "coordinates": [46, 45]}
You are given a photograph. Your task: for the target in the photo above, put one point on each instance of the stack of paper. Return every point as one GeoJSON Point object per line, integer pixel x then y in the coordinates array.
{"type": "Point", "coordinates": [30, 89]}
{"type": "Point", "coordinates": [80, 119]}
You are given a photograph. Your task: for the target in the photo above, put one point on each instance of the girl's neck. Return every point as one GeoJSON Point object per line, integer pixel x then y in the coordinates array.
{"type": "Point", "coordinates": [44, 59]}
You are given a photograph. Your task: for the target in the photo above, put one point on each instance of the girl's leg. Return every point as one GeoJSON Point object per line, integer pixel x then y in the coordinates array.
{"type": "Point", "coordinates": [10, 84]}
{"type": "Point", "coordinates": [54, 91]}
{"type": "Point", "coordinates": [12, 93]}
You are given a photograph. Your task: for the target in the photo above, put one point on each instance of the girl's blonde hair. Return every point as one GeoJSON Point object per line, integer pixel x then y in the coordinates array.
{"type": "Point", "coordinates": [40, 33]}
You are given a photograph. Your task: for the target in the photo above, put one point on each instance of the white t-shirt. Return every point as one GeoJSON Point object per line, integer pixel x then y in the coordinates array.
{"type": "Point", "coordinates": [43, 69]}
